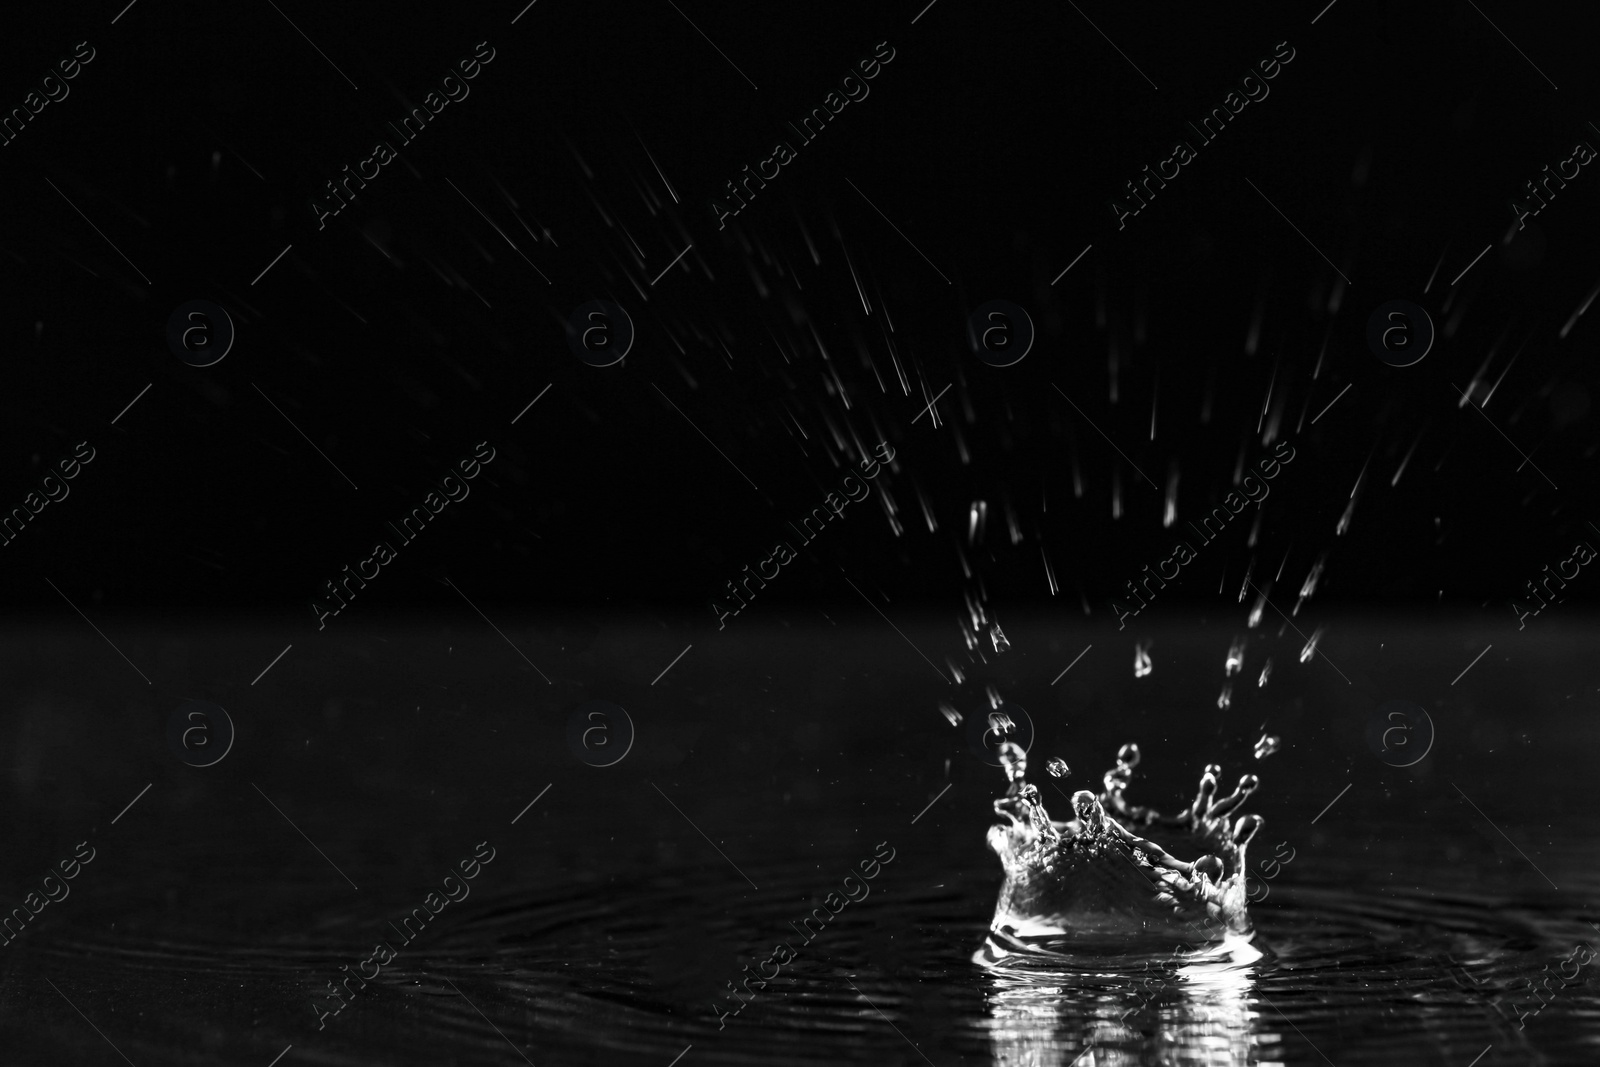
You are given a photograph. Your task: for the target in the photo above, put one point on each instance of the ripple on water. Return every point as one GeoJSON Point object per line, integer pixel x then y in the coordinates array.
{"type": "Point", "coordinates": [614, 972]}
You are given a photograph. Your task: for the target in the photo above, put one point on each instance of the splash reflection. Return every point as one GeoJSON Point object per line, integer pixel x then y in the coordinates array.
{"type": "Point", "coordinates": [1194, 1009]}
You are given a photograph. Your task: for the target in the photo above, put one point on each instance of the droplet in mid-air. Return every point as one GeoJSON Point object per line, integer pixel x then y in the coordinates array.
{"type": "Point", "coordinates": [977, 519]}
{"type": "Point", "coordinates": [1225, 698]}
{"type": "Point", "coordinates": [1311, 645]}
{"type": "Point", "coordinates": [1235, 660]}
{"type": "Point", "coordinates": [950, 713]}
{"type": "Point", "coordinates": [1057, 767]}
{"type": "Point", "coordinates": [1014, 760]}
{"type": "Point", "coordinates": [999, 638]}
{"type": "Point", "coordinates": [1344, 520]}
{"type": "Point", "coordinates": [1309, 586]}
{"type": "Point", "coordinates": [1141, 659]}
{"type": "Point", "coordinates": [1266, 672]}
{"type": "Point", "coordinates": [1268, 744]}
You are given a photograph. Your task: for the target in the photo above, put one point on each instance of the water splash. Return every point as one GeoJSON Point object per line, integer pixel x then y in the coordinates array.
{"type": "Point", "coordinates": [1013, 760]}
{"type": "Point", "coordinates": [982, 632]}
{"type": "Point", "coordinates": [1057, 767]}
{"type": "Point", "coordinates": [1268, 744]}
{"type": "Point", "coordinates": [1141, 659]}
{"type": "Point", "coordinates": [1112, 874]}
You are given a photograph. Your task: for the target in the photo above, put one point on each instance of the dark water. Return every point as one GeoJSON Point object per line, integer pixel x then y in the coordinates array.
{"type": "Point", "coordinates": [1417, 907]}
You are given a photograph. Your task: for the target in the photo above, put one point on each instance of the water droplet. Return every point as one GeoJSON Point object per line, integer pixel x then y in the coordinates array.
{"type": "Point", "coordinates": [1402, 468]}
{"type": "Point", "coordinates": [1013, 758]}
{"type": "Point", "coordinates": [1350, 508]}
{"type": "Point", "coordinates": [891, 512]}
{"type": "Point", "coordinates": [999, 638]}
{"type": "Point", "coordinates": [1579, 313]}
{"type": "Point", "coordinates": [1310, 584]}
{"type": "Point", "coordinates": [977, 518]}
{"type": "Point", "coordinates": [1057, 767]}
{"type": "Point", "coordinates": [1000, 723]}
{"type": "Point", "coordinates": [1266, 672]}
{"type": "Point", "coordinates": [927, 511]}
{"type": "Point", "coordinates": [1225, 698]}
{"type": "Point", "coordinates": [1129, 756]}
{"type": "Point", "coordinates": [1311, 645]}
{"type": "Point", "coordinates": [976, 611]}
{"type": "Point", "coordinates": [1255, 612]}
{"type": "Point", "coordinates": [1235, 661]}
{"type": "Point", "coordinates": [1141, 659]}
{"type": "Point", "coordinates": [950, 713]}
{"type": "Point", "coordinates": [1268, 744]}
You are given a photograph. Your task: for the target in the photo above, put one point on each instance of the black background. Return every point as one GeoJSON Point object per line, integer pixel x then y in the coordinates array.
{"type": "Point", "coordinates": [1394, 140]}
{"type": "Point", "coordinates": [768, 358]}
